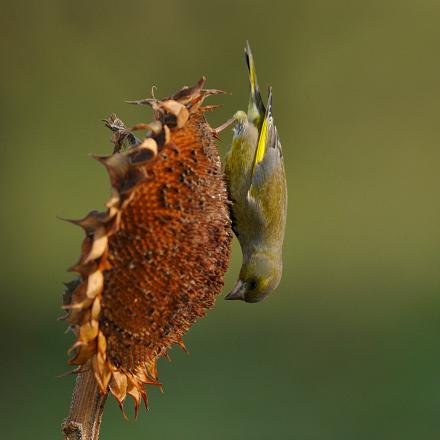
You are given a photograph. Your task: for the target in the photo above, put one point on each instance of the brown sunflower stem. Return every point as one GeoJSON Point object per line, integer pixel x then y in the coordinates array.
{"type": "Point", "coordinates": [86, 409]}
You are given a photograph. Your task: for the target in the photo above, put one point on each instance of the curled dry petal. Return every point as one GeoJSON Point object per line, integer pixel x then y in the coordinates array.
{"type": "Point", "coordinates": [99, 245]}
{"type": "Point", "coordinates": [95, 284]}
{"type": "Point", "coordinates": [178, 110]}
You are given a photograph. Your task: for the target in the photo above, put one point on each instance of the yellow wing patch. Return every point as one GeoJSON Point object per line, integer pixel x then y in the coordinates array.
{"type": "Point", "coordinates": [262, 142]}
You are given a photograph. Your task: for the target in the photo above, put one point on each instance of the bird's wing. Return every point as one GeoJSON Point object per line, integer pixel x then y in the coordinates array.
{"type": "Point", "coordinates": [268, 154]}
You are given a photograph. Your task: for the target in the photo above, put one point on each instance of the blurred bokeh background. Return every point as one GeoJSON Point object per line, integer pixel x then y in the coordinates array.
{"type": "Point", "coordinates": [349, 346]}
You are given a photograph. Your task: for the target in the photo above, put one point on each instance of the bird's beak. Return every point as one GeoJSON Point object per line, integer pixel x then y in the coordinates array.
{"type": "Point", "coordinates": [237, 292]}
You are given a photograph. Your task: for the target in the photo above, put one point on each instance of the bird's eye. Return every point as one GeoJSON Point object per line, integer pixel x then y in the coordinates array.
{"type": "Point", "coordinates": [238, 128]}
{"type": "Point", "coordinates": [252, 284]}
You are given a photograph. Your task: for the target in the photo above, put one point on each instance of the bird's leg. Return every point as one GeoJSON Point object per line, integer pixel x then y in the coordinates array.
{"type": "Point", "coordinates": [222, 127]}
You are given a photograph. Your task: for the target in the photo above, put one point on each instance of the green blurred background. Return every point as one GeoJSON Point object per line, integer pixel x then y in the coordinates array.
{"type": "Point", "coordinates": [348, 347]}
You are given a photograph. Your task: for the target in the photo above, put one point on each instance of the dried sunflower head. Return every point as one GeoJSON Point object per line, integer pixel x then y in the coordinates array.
{"type": "Point", "coordinates": [154, 261]}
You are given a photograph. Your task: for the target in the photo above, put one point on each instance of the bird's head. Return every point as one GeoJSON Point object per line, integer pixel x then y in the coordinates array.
{"type": "Point", "coordinates": [259, 276]}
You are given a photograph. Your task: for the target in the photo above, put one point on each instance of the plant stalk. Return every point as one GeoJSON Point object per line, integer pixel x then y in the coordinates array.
{"type": "Point", "coordinates": [86, 409]}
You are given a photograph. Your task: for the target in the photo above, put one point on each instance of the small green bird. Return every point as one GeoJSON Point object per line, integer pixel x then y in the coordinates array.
{"type": "Point", "coordinates": [256, 180]}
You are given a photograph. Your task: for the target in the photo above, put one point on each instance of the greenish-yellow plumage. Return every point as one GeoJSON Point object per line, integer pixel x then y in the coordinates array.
{"type": "Point", "coordinates": [256, 181]}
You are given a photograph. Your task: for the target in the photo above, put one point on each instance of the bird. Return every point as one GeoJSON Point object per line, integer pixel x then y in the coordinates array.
{"type": "Point", "coordinates": [256, 182]}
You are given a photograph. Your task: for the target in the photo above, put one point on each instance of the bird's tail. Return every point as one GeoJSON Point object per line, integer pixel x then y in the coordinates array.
{"type": "Point", "coordinates": [256, 109]}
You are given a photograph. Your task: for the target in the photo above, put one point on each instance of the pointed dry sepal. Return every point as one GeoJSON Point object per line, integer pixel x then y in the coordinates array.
{"type": "Point", "coordinates": [91, 222]}
{"type": "Point", "coordinates": [118, 386]}
{"type": "Point", "coordinates": [187, 95]}
{"type": "Point", "coordinates": [117, 166]}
